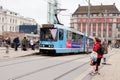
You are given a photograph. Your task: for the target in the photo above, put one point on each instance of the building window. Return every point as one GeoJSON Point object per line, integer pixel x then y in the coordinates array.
{"type": "Point", "coordinates": [99, 35]}
{"type": "Point", "coordinates": [94, 29]}
{"type": "Point", "coordinates": [110, 35]}
{"type": "Point", "coordinates": [119, 29]}
{"type": "Point", "coordinates": [84, 24]}
{"type": "Point", "coordinates": [104, 29]}
{"type": "Point", "coordinates": [10, 28]}
{"type": "Point", "coordinates": [10, 20]}
{"type": "Point", "coordinates": [83, 30]}
{"type": "Point", "coordinates": [13, 28]}
{"type": "Point", "coordinates": [94, 24]}
{"type": "Point", "coordinates": [94, 34]}
{"type": "Point", "coordinates": [16, 21]}
{"type": "Point", "coordinates": [79, 24]}
{"type": "Point", "coordinates": [118, 35]}
{"type": "Point", "coordinates": [79, 15]}
{"type": "Point", "coordinates": [75, 25]}
{"type": "Point", "coordinates": [110, 29]}
{"type": "Point", "coordinates": [110, 24]}
{"type": "Point", "coordinates": [104, 35]}
{"type": "Point", "coordinates": [2, 19]}
{"type": "Point", "coordinates": [99, 30]}
{"type": "Point", "coordinates": [2, 28]}
{"type": "Point", "coordinates": [99, 24]}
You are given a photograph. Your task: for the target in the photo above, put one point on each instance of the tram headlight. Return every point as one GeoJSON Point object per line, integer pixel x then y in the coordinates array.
{"type": "Point", "coordinates": [51, 46]}
{"type": "Point", "coordinates": [41, 45]}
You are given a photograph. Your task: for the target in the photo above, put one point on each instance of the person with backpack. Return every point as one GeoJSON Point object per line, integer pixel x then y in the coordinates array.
{"type": "Point", "coordinates": [97, 48]}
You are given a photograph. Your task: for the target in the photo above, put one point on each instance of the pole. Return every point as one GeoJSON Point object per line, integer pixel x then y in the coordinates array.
{"type": "Point", "coordinates": [88, 29]}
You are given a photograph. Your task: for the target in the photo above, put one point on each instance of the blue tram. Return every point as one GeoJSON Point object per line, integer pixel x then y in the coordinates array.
{"type": "Point", "coordinates": [57, 39]}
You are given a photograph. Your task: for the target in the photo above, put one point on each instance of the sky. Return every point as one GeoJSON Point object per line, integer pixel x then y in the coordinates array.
{"type": "Point", "coordinates": [37, 9]}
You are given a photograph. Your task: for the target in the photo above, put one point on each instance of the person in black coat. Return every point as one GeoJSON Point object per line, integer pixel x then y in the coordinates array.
{"type": "Point", "coordinates": [16, 42]}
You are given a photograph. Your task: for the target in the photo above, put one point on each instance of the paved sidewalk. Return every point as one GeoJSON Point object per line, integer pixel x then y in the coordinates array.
{"type": "Point", "coordinates": [110, 71]}
{"type": "Point", "coordinates": [12, 53]}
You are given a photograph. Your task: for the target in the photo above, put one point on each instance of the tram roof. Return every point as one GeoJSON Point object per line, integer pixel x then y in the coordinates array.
{"type": "Point", "coordinates": [67, 28]}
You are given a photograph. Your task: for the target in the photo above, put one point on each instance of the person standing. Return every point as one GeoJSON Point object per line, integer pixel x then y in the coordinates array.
{"type": "Point", "coordinates": [105, 45]}
{"type": "Point", "coordinates": [24, 44]}
{"type": "Point", "coordinates": [32, 44]}
{"type": "Point", "coordinates": [7, 44]}
{"type": "Point", "coordinates": [16, 42]}
{"type": "Point", "coordinates": [96, 47]}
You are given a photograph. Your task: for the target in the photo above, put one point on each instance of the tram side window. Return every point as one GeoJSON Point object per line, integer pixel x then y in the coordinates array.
{"type": "Point", "coordinates": [73, 37]}
{"type": "Point", "coordinates": [91, 42]}
{"type": "Point", "coordinates": [69, 35]}
{"type": "Point", "coordinates": [78, 38]}
{"type": "Point", "coordinates": [60, 34]}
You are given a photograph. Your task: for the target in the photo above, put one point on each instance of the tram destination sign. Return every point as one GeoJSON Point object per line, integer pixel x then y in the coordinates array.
{"type": "Point", "coordinates": [47, 26]}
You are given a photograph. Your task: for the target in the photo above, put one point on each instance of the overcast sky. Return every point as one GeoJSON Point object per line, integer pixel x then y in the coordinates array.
{"type": "Point", "coordinates": [37, 9]}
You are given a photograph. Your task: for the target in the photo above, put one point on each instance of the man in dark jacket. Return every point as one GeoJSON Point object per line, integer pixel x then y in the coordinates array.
{"type": "Point", "coordinates": [105, 51]}
{"type": "Point", "coordinates": [16, 42]}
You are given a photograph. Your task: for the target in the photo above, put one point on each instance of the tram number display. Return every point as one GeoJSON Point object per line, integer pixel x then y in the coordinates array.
{"type": "Point", "coordinates": [47, 26]}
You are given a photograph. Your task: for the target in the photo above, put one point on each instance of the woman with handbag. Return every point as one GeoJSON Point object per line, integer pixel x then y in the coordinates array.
{"type": "Point", "coordinates": [97, 45]}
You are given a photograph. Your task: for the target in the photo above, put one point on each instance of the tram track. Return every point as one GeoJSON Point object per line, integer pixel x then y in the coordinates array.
{"type": "Point", "coordinates": [19, 62]}
{"type": "Point", "coordinates": [47, 67]}
{"type": "Point", "coordinates": [68, 72]}
{"type": "Point", "coordinates": [64, 74]}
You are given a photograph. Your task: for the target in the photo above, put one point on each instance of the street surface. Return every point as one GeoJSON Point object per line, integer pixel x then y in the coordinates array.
{"type": "Point", "coordinates": [40, 67]}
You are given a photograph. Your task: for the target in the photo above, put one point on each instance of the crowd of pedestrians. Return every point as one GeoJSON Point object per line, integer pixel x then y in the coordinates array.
{"type": "Point", "coordinates": [24, 44]}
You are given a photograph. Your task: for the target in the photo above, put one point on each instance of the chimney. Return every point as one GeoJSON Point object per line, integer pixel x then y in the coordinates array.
{"type": "Point", "coordinates": [114, 4]}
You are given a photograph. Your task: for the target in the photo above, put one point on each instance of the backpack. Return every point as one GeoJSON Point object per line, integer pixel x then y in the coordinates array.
{"type": "Point", "coordinates": [101, 50]}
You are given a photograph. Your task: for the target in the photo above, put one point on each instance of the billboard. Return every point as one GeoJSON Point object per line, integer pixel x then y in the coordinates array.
{"type": "Point", "coordinates": [28, 29]}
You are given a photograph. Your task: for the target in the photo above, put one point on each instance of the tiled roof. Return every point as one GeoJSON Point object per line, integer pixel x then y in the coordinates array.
{"type": "Point", "coordinates": [97, 9]}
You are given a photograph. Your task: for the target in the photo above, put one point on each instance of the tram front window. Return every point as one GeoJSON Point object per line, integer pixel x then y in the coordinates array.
{"type": "Point", "coordinates": [48, 34]}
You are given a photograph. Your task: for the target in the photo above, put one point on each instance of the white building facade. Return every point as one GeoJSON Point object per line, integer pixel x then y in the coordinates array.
{"type": "Point", "coordinates": [9, 21]}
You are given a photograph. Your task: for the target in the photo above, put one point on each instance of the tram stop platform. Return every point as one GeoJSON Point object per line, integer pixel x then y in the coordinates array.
{"type": "Point", "coordinates": [109, 71]}
{"type": "Point", "coordinates": [14, 54]}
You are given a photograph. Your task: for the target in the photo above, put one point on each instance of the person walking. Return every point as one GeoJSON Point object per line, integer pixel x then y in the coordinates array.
{"type": "Point", "coordinates": [105, 45]}
{"type": "Point", "coordinates": [96, 47]}
{"type": "Point", "coordinates": [16, 42]}
{"type": "Point", "coordinates": [7, 44]}
{"type": "Point", "coordinates": [24, 44]}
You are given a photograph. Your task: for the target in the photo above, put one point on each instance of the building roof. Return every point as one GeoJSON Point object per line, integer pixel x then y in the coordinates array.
{"type": "Point", "coordinates": [96, 9]}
